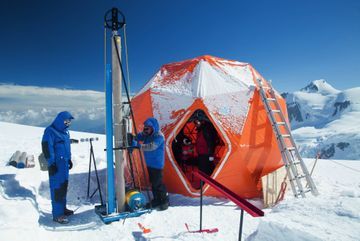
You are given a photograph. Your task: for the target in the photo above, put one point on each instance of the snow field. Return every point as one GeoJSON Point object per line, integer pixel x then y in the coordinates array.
{"type": "Point", "coordinates": [25, 207]}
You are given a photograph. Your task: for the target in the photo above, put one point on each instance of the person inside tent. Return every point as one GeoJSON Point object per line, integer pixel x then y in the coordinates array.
{"type": "Point", "coordinates": [153, 145]}
{"type": "Point", "coordinates": [56, 148]}
{"type": "Point", "coordinates": [205, 145]}
{"type": "Point", "coordinates": [177, 146]}
{"type": "Point", "coordinates": [187, 152]}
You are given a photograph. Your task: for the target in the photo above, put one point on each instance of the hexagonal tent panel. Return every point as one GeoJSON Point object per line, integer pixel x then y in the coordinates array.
{"type": "Point", "coordinates": [225, 91]}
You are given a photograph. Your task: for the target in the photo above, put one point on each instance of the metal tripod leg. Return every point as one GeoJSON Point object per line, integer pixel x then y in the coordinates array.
{"type": "Point", "coordinates": [92, 157]}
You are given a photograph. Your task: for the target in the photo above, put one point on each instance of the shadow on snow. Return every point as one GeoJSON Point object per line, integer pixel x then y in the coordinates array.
{"type": "Point", "coordinates": [77, 196]}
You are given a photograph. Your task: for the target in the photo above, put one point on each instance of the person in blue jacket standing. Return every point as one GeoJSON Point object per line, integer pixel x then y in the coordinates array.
{"type": "Point", "coordinates": [153, 145]}
{"type": "Point", "coordinates": [56, 148]}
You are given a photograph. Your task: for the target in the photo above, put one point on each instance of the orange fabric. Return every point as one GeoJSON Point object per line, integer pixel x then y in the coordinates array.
{"type": "Point", "coordinates": [249, 155]}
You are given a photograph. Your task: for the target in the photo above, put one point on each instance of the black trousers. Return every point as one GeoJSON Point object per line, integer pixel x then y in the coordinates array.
{"type": "Point", "coordinates": [158, 187]}
{"type": "Point", "coordinates": [204, 164]}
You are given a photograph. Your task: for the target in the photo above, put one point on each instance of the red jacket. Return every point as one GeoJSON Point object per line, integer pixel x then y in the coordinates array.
{"type": "Point", "coordinates": [202, 147]}
{"type": "Point", "coordinates": [206, 139]}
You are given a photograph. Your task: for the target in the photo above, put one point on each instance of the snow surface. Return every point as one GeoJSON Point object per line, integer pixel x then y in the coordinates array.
{"type": "Point", "coordinates": [25, 208]}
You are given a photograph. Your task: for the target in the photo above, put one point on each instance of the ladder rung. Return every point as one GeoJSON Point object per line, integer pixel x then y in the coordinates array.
{"type": "Point", "coordinates": [270, 99]}
{"type": "Point", "coordinates": [306, 191]}
{"type": "Point", "coordinates": [292, 163]}
{"type": "Point", "coordinates": [265, 88]}
{"type": "Point", "coordinates": [289, 148]}
{"type": "Point", "coordinates": [280, 123]}
{"type": "Point", "coordinates": [285, 135]}
{"type": "Point", "coordinates": [298, 177]}
{"type": "Point", "coordinates": [276, 111]}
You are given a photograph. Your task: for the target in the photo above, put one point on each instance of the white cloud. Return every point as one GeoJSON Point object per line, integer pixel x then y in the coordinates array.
{"type": "Point", "coordinates": [38, 106]}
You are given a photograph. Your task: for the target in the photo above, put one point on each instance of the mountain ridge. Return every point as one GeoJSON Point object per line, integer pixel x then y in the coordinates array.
{"type": "Point", "coordinates": [324, 120]}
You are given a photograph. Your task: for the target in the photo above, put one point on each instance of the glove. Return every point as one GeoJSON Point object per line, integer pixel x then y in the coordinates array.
{"type": "Point", "coordinates": [52, 169]}
{"type": "Point", "coordinates": [70, 164]}
{"type": "Point", "coordinates": [135, 144]}
{"type": "Point", "coordinates": [211, 158]}
{"type": "Point", "coordinates": [130, 138]}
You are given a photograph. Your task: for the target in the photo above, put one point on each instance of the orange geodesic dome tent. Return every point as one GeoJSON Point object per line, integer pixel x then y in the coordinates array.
{"type": "Point", "coordinates": [223, 93]}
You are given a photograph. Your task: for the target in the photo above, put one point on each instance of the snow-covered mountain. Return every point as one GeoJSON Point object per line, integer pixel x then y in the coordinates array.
{"type": "Point", "coordinates": [325, 120]}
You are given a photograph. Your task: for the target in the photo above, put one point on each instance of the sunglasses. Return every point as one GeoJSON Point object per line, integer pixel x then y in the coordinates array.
{"type": "Point", "coordinates": [67, 122]}
{"type": "Point", "coordinates": [147, 129]}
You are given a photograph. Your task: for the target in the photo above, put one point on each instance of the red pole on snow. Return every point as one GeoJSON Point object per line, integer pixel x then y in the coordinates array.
{"type": "Point", "coordinates": [239, 201]}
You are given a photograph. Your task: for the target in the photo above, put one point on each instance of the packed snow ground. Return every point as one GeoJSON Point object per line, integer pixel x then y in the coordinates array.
{"type": "Point", "coordinates": [25, 208]}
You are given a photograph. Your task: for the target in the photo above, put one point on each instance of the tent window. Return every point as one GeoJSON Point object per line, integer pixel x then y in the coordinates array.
{"type": "Point", "coordinates": [198, 146]}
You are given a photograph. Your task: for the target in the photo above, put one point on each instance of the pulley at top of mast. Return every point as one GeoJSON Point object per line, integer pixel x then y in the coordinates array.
{"type": "Point", "coordinates": [114, 19]}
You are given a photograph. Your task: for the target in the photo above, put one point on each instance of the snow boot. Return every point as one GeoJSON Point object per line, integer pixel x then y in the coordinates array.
{"type": "Point", "coordinates": [164, 203]}
{"type": "Point", "coordinates": [68, 212]}
{"type": "Point", "coordinates": [163, 206]}
{"type": "Point", "coordinates": [61, 220]}
{"type": "Point", "coordinates": [153, 204]}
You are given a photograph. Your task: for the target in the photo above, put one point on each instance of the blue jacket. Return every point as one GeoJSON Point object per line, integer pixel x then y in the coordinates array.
{"type": "Point", "coordinates": [153, 146]}
{"type": "Point", "coordinates": [56, 144]}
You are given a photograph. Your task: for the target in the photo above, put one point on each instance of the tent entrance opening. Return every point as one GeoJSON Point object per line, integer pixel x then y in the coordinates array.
{"type": "Point", "coordinates": [198, 146]}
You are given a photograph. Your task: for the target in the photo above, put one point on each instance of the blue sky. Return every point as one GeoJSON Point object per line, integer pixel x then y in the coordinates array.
{"type": "Point", "coordinates": [60, 43]}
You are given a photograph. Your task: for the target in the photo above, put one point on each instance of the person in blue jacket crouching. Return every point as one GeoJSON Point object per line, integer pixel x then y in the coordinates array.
{"type": "Point", "coordinates": [56, 148]}
{"type": "Point", "coordinates": [153, 146]}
